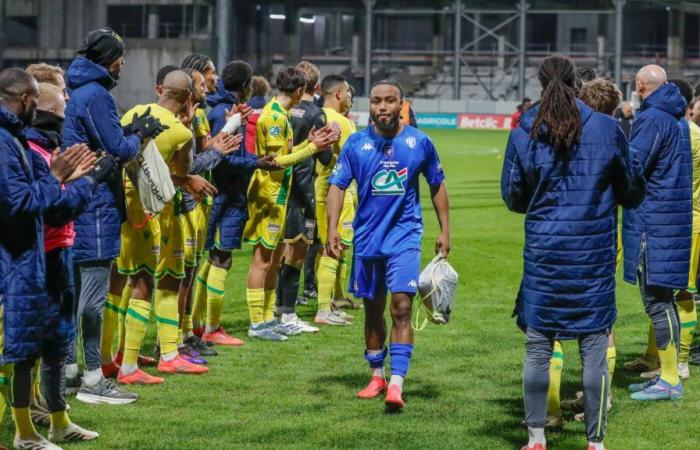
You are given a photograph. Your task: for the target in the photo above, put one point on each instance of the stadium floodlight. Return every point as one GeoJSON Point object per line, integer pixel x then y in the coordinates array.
{"type": "Point", "coordinates": [278, 16]}
{"type": "Point", "coordinates": [311, 19]}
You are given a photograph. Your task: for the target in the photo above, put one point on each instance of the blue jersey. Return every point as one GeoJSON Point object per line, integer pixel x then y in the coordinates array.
{"type": "Point", "coordinates": [388, 220]}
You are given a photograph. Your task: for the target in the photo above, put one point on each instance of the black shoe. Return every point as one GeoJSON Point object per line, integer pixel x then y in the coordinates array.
{"type": "Point", "coordinates": [196, 343]}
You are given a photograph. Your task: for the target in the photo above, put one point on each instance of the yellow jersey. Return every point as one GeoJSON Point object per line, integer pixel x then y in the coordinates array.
{"type": "Point", "coordinates": [200, 124]}
{"type": "Point", "coordinates": [273, 136]}
{"type": "Point", "coordinates": [170, 140]}
{"type": "Point", "coordinates": [323, 173]}
{"type": "Point", "coordinates": [695, 151]}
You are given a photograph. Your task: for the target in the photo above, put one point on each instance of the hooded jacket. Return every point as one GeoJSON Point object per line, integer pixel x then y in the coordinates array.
{"type": "Point", "coordinates": [91, 118]}
{"type": "Point", "coordinates": [25, 195]}
{"type": "Point", "coordinates": [570, 206]}
{"type": "Point", "coordinates": [663, 223]}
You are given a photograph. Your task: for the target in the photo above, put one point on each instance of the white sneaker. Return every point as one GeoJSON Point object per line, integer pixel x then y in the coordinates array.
{"type": "Point", "coordinates": [305, 326]}
{"type": "Point", "coordinates": [343, 315]}
{"type": "Point", "coordinates": [683, 371]}
{"type": "Point", "coordinates": [38, 442]}
{"type": "Point", "coordinates": [72, 433]}
{"type": "Point", "coordinates": [330, 318]}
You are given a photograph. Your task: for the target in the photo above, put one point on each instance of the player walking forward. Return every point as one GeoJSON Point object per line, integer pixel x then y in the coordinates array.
{"type": "Point", "coordinates": [386, 159]}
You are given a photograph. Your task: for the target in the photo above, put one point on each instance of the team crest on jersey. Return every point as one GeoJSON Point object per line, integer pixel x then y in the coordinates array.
{"type": "Point", "coordinates": [275, 131]}
{"type": "Point", "coordinates": [389, 152]}
{"type": "Point", "coordinates": [368, 146]}
{"type": "Point", "coordinates": [411, 142]}
{"type": "Point", "coordinates": [389, 182]}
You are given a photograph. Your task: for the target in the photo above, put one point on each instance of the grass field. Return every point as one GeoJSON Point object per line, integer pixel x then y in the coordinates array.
{"type": "Point", "coordinates": [464, 387]}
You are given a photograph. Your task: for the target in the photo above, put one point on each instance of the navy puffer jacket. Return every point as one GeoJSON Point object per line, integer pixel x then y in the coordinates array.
{"type": "Point", "coordinates": [24, 197]}
{"type": "Point", "coordinates": [663, 223]}
{"type": "Point", "coordinates": [91, 118]}
{"type": "Point", "coordinates": [570, 206]}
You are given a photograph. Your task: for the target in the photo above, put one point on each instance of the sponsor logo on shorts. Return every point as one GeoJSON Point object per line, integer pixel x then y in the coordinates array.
{"type": "Point", "coordinates": [356, 287]}
{"type": "Point", "coordinates": [155, 249]}
{"type": "Point", "coordinates": [273, 228]}
{"type": "Point", "coordinates": [411, 142]}
{"type": "Point", "coordinates": [347, 225]}
{"type": "Point", "coordinates": [189, 242]}
{"type": "Point", "coordinates": [413, 283]}
{"type": "Point", "coordinates": [311, 224]}
{"type": "Point", "coordinates": [389, 182]}
{"type": "Point", "coordinates": [179, 253]}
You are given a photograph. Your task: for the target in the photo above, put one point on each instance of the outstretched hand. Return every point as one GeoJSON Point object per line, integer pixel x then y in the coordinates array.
{"type": "Point", "coordinates": [72, 164]}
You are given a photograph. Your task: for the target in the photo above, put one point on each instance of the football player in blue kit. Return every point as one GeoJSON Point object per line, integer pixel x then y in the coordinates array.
{"type": "Point", "coordinates": [386, 159]}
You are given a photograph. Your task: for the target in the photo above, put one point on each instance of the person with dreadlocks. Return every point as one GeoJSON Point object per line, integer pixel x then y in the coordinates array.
{"type": "Point", "coordinates": [564, 154]}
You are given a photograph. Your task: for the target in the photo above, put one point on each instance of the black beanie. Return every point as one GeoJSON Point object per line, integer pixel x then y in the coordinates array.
{"type": "Point", "coordinates": [102, 46]}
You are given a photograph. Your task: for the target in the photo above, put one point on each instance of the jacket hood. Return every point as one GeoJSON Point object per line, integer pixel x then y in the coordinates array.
{"type": "Point", "coordinates": [11, 122]}
{"type": "Point", "coordinates": [221, 96]}
{"type": "Point", "coordinates": [83, 71]}
{"type": "Point", "coordinates": [527, 120]}
{"type": "Point", "coordinates": [666, 98]}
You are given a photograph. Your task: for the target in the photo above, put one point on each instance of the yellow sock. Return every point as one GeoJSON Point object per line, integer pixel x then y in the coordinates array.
{"type": "Point", "coordinates": [325, 276]}
{"type": "Point", "coordinates": [612, 357]}
{"type": "Point", "coordinates": [123, 305]}
{"type": "Point", "coordinates": [60, 420]}
{"type": "Point", "coordinates": [36, 388]}
{"type": "Point", "coordinates": [167, 320]}
{"type": "Point", "coordinates": [5, 374]}
{"type": "Point", "coordinates": [186, 324]}
{"type": "Point", "coordinates": [341, 280]}
{"type": "Point", "coordinates": [135, 329]}
{"type": "Point", "coordinates": [270, 298]}
{"type": "Point", "coordinates": [199, 293]}
{"type": "Point", "coordinates": [110, 317]}
{"type": "Point", "coordinates": [651, 343]}
{"type": "Point", "coordinates": [689, 319]}
{"type": "Point", "coordinates": [23, 423]}
{"type": "Point", "coordinates": [256, 300]}
{"type": "Point", "coordinates": [215, 295]}
{"type": "Point", "coordinates": [556, 365]}
{"type": "Point", "coordinates": [669, 364]}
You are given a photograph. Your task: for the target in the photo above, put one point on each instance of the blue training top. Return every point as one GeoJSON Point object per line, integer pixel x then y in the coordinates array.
{"type": "Point", "coordinates": [388, 220]}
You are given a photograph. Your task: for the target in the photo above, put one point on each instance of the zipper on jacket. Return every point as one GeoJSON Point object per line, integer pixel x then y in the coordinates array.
{"type": "Point", "coordinates": [98, 225]}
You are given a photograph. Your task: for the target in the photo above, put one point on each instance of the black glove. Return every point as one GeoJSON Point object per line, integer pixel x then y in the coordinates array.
{"type": "Point", "coordinates": [146, 125]}
{"type": "Point", "coordinates": [105, 169]}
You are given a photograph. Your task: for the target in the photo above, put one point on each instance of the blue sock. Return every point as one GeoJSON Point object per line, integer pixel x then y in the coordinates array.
{"type": "Point", "coordinates": [376, 358]}
{"type": "Point", "coordinates": [400, 358]}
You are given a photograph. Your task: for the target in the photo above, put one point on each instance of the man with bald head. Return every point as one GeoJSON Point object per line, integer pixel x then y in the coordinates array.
{"type": "Point", "coordinates": [153, 249]}
{"type": "Point", "coordinates": [625, 115]}
{"type": "Point", "coordinates": [657, 234]}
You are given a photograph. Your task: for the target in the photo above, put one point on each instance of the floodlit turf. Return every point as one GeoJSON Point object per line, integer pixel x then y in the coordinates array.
{"type": "Point", "coordinates": [464, 386]}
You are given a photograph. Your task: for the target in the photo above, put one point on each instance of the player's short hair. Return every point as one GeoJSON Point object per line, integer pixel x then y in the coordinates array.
{"type": "Point", "coordinates": [260, 86]}
{"type": "Point", "coordinates": [602, 95]}
{"type": "Point", "coordinates": [685, 88]}
{"type": "Point", "coordinates": [584, 75]}
{"type": "Point", "coordinates": [15, 82]}
{"type": "Point", "coordinates": [197, 62]}
{"type": "Point", "coordinates": [390, 82]}
{"type": "Point", "coordinates": [694, 101]}
{"type": "Point", "coordinates": [163, 72]}
{"type": "Point", "coordinates": [236, 76]}
{"type": "Point", "coordinates": [289, 79]}
{"type": "Point", "coordinates": [311, 73]}
{"type": "Point", "coordinates": [45, 73]}
{"type": "Point", "coordinates": [330, 83]}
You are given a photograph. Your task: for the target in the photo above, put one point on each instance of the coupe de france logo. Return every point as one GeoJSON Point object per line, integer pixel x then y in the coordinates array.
{"type": "Point", "coordinates": [411, 142]}
{"type": "Point", "coordinates": [389, 182]}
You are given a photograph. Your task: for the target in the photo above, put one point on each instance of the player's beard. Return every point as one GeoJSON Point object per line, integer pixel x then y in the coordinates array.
{"type": "Point", "coordinates": [389, 127]}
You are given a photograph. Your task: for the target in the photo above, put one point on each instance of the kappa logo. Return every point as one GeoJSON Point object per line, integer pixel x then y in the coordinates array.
{"type": "Point", "coordinates": [368, 146]}
{"type": "Point", "coordinates": [413, 283]}
{"type": "Point", "coordinates": [275, 131]}
{"type": "Point", "coordinates": [411, 142]}
{"type": "Point", "coordinates": [389, 182]}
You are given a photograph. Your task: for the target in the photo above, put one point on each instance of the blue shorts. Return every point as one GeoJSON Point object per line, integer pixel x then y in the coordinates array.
{"type": "Point", "coordinates": [225, 228]}
{"type": "Point", "coordinates": [371, 277]}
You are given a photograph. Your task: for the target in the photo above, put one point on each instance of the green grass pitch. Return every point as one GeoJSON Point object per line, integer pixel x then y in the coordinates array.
{"type": "Point", "coordinates": [464, 386]}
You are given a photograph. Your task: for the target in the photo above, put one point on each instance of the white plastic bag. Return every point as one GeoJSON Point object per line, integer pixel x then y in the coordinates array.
{"type": "Point", "coordinates": [437, 286]}
{"type": "Point", "coordinates": [150, 176]}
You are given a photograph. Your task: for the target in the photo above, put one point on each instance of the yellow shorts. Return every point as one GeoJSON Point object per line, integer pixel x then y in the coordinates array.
{"type": "Point", "coordinates": [191, 223]}
{"type": "Point", "coordinates": [265, 225]}
{"type": "Point", "coordinates": [203, 212]}
{"type": "Point", "coordinates": [156, 246]}
{"type": "Point", "coordinates": [347, 215]}
{"type": "Point", "coordinates": [694, 263]}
